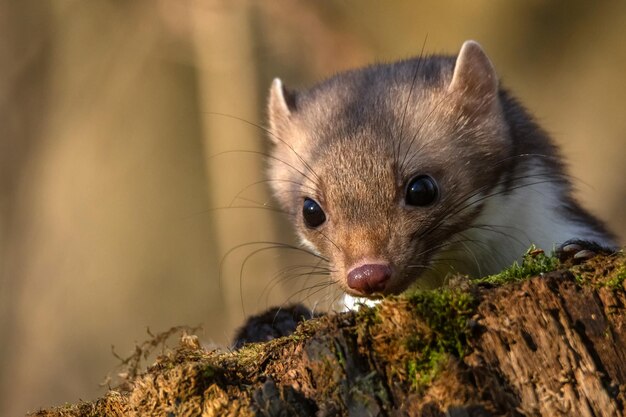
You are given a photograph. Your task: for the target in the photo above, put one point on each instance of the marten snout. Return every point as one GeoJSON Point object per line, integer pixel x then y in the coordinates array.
{"type": "Point", "coordinates": [369, 278]}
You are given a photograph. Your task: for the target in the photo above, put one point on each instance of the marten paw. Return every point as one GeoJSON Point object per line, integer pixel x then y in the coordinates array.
{"type": "Point", "coordinates": [272, 323]}
{"type": "Point", "coordinates": [577, 250]}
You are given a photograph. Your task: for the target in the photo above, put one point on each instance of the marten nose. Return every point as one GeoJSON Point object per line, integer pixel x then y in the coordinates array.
{"type": "Point", "coordinates": [369, 278]}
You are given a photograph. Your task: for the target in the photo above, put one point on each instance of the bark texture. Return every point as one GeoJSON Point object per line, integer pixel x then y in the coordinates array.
{"type": "Point", "coordinates": [553, 345]}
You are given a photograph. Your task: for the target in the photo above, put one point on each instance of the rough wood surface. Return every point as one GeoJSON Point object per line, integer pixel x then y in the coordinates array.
{"type": "Point", "coordinates": [560, 348]}
{"type": "Point", "coordinates": [553, 345]}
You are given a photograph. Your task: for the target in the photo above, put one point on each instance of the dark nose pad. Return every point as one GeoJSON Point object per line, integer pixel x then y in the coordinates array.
{"type": "Point", "coordinates": [370, 278]}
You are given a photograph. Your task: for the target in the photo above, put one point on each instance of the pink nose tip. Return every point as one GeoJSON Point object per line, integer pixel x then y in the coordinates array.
{"type": "Point", "coordinates": [370, 278]}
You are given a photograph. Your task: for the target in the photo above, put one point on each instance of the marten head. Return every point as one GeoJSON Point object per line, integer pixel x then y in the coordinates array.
{"type": "Point", "coordinates": [380, 167]}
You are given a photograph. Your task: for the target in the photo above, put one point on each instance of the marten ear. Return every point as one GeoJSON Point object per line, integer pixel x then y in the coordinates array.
{"type": "Point", "coordinates": [474, 77]}
{"type": "Point", "coordinates": [281, 105]}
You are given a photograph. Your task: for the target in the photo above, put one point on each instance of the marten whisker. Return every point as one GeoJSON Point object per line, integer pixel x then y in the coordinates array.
{"type": "Point", "coordinates": [317, 287]}
{"type": "Point", "coordinates": [408, 100]}
{"type": "Point", "coordinates": [243, 265]}
{"type": "Point", "coordinates": [267, 181]}
{"type": "Point", "coordinates": [272, 245]}
{"type": "Point", "coordinates": [306, 275]}
{"type": "Point", "coordinates": [469, 196]}
{"type": "Point", "coordinates": [268, 156]}
{"type": "Point", "coordinates": [284, 275]}
{"type": "Point", "coordinates": [328, 239]}
{"type": "Point", "coordinates": [491, 251]}
{"type": "Point", "coordinates": [258, 203]}
{"type": "Point", "coordinates": [289, 273]}
{"type": "Point", "coordinates": [471, 253]}
{"type": "Point", "coordinates": [490, 228]}
{"type": "Point", "coordinates": [257, 207]}
{"type": "Point", "coordinates": [275, 136]}
{"type": "Point", "coordinates": [467, 202]}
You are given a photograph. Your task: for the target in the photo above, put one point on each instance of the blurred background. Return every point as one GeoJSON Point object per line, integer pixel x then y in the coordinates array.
{"type": "Point", "coordinates": [127, 129]}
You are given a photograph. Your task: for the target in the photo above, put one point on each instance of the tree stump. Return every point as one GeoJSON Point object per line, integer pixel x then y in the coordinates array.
{"type": "Point", "coordinates": [549, 345]}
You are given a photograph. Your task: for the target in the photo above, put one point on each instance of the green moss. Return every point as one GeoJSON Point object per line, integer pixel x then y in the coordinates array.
{"type": "Point", "coordinates": [367, 316]}
{"type": "Point", "coordinates": [446, 312]}
{"type": "Point", "coordinates": [602, 272]}
{"type": "Point", "coordinates": [340, 356]}
{"type": "Point", "coordinates": [616, 281]}
{"type": "Point", "coordinates": [208, 373]}
{"type": "Point", "coordinates": [534, 262]}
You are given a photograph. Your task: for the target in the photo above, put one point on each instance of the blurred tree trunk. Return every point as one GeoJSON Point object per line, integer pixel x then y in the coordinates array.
{"type": "Point", "coordinates": [228, 91]}
{"type": "Point", "coordinates": [100, 180]}
{"type": "Point", "coordinates": [24, 65]}
{"type": "Point", "coordinates": [551, 346]}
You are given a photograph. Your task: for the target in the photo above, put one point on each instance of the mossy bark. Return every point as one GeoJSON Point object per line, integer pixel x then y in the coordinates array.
{"type": "Point", "coordinates": [553, 345]}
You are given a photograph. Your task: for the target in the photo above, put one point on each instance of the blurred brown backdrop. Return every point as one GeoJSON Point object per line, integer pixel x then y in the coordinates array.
{"type": "Point", "coordinates": [116, 157]}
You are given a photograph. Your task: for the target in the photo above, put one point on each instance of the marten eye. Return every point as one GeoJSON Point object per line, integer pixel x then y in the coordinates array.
{"type": "Point", "coordinates": [312, 213]}
{"type": "Point", "coordinates": [421, 191]}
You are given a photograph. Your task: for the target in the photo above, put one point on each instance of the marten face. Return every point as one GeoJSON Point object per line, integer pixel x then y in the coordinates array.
{"type": "Point", "coordinates": [382, 169]}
